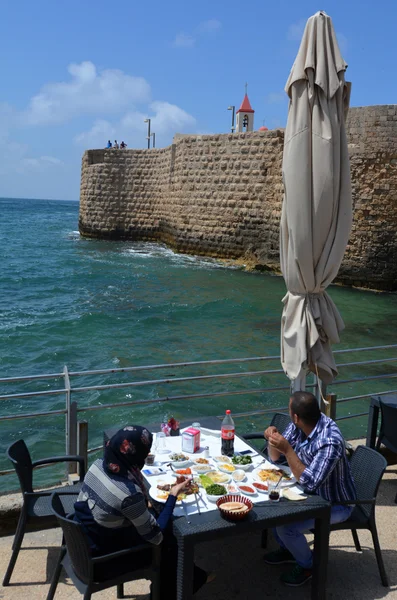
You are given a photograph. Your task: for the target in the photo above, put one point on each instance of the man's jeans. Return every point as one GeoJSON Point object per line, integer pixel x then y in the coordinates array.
{"type": "Point", "coordinates": [291, 536]}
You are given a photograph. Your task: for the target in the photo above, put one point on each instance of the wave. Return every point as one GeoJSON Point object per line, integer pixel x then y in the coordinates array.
{"type": "Point", "coordinates": [152, 250]}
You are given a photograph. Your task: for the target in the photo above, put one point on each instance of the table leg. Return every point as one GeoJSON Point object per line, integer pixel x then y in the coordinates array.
{"type": "Point", "coordinates": [185, 570]}
{"type": "Point", "coordinates": [372, 428]}
{"type": "Point", "coordinates": [320, 556]}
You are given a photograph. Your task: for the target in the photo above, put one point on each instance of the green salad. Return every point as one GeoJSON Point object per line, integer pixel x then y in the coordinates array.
{"type": "Point", "coordinates": [216, 490]}
{"type": "Point", "coordinates": [241, 460]}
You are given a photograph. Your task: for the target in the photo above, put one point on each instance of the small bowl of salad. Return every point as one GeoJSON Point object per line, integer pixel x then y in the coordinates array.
{"type": "Point", "coordinates": [243, 462]}
{"type": "Point", "coordinates": [215, 491]}
{"type": "Point", "coordinates": [179, 460]}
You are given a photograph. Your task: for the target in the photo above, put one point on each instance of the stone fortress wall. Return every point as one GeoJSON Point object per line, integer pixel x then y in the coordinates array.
{"type": "Point", "coordinates": [221, 195]}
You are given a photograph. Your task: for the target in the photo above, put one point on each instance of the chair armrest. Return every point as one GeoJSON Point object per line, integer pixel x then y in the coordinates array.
{"type": "Point", "coordinates": [254, 436]}
{"type": "Point", "coordinates": [49, 493]}
{"type": "Point", "coordinates": [58, 459]}
{"type": "Point", "coordinates": [357, 502]}
{"type": "Point", "coordinates": [134, 549]}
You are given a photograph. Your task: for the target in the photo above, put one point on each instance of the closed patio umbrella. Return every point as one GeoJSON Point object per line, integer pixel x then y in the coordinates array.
{"type": "Point", "coordinates": [317, 207]}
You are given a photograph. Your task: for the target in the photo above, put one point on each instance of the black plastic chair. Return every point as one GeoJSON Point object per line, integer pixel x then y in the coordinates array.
{"type": "Point", "coordinates": [279, 420]}
{"type": "Point", "coordinates": [367, 467]}
{"type": "Point", "coordinates": [36, 506]}
{"type": "Point", "coordinates": [89, 573]}
{"type": "Point", "coordinates": [388, 429]}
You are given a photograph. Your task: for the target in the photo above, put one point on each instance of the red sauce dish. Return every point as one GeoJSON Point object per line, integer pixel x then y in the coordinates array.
{"type": "Point", "coordinates": [247, 489]}
{"type": "Point", "coordinates": [261, 487]}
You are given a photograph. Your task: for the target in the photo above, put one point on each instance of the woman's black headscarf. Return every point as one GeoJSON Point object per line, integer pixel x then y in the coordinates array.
{"type": "Point", "coordinates": [126, 451]}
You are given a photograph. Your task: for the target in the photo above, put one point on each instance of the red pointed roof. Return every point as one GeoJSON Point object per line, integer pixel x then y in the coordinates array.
{"type": "Point", "coordinates": [246, 106]}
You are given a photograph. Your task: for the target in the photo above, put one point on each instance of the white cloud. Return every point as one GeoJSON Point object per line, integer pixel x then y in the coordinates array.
{"type": "Point", "coordinates": [343, 43]}
{"type": "Point", "coordinates": [187, 40]}
{"type": "Point", "coordinates": [41, 163]}
{"type": "Point", "coordinates": [295, 31]}
{"type": "Point", "coordinates": [98, 135]}
{"type": "Point", "coordinates": [210, 26]}
{"type": "Point", "coordinates": [183, 40]}
{"type": "Point", "coordinates": [166, 120]}
{"type": "Point", "coordinates": [170, 118]}
{"type": "Point", "coordinates": [276, 98]}
{"type": "Point", "coordinates": [87, 92]}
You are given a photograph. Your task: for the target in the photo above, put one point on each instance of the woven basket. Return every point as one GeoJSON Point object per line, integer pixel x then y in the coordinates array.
{"type": "Point", "coordinates": [232, 516]}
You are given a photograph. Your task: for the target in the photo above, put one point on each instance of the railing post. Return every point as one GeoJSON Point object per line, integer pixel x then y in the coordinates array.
{"type": "Point", "coordinates": [82, 441]}
{"type": "Point", "coordinates": [71, 423]}
{"type": "Point", "coordinates": [67, 416]}
{"type": "Point", "coordinates": [329, 406]}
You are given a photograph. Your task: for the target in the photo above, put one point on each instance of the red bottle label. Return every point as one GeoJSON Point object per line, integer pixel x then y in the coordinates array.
{"type": "Point", "coordinates": [228, 434]}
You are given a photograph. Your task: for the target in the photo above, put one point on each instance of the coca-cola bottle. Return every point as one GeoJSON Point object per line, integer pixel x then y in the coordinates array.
{"type": "Point", "coordinates": [227, 435]}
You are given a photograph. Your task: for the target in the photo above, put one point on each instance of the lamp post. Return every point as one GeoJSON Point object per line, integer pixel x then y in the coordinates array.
{"type": "Point", "coordinates": [148, 132]}
{"type": "Point", "coordinates": [233, 109]}
{"type": "Point", "coordinates": [154, 139]}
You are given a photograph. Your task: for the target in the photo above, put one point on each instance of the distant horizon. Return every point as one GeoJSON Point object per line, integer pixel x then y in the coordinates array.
{"type": "Point", "coordinates": [34, 199]}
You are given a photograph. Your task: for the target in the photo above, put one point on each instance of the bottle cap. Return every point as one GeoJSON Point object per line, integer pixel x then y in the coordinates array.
{"type": "Point", "coordinates": [228, 412]}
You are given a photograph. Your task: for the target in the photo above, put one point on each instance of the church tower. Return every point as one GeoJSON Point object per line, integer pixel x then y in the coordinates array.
{"type": "Point", "coordinates": [245, 115]}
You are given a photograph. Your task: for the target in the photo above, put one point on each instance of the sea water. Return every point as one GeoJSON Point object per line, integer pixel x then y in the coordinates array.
{"type": "Point", "coordinates": [92, 304]}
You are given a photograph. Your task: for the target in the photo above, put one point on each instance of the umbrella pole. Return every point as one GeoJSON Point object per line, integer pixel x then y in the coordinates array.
{"type": "Point", "coordinates": [299, 384]}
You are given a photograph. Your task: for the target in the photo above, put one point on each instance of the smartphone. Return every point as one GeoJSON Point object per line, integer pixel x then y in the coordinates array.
{"type": "Point", "coordinates": [246, 452]}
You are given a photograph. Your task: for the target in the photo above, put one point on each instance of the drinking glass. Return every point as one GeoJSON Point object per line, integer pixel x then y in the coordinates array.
{"type": "Point", "coordinates": [197, 425]}
{"type": "Point", "coordinates": [160, 443]}
{"type": "Point", "coordinates": [273, 489]}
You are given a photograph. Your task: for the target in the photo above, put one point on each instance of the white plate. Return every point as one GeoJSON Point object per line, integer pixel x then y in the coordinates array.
{"type": "Point", "coordinates": [228, 480]}
{"type": "Point", "coordinates": [243, 467]}
{"type": "Point", "coordinates": [227, 471]}
{"type": "Point", "coordinates": [174, 474]}
{"type": "Point", "coordinates": [238, 472]}
{"type": "Point", "coordinates": [245, 493]}
{"type": "Point", "coordinates": [283, 482]}
{"type": "Point", "coordinates": [222, 459]}
{"type": "Point", "coordinates": [258, 490]}
{"type": "Point", "coordinates": [180, 464]}
{"type": "Point", "coordinates": [215, 498]}
{"type": "Point", "coordinates": [202, 469]}
{"type": "Point", "coordinates": [154, 491]}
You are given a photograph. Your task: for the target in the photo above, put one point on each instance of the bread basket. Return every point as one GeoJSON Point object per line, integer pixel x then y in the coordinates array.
{"type": "Point", "coordinates": [234, 516]}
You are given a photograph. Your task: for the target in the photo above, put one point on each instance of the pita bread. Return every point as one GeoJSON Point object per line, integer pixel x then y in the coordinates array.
{"type": "Point", "coordinates": [291, 495]}
{"type": "Point", "coordinates": [234, 506]}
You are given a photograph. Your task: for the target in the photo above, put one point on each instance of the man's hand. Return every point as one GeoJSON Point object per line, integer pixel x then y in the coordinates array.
{"type": "Point", "coordinates": [277, 441]}
{"type": "Point", "coordinates": [268, 432]}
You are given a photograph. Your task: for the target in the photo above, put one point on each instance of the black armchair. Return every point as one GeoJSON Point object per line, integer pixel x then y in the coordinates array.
{"type": "Point", "coordinates": [92, 574]}
{"type": "Point", "coordinates": [279, 420]}
{"type": "Point", "coordinates": [367, 467]}
{"type": "Point", "coordinates": [36, 505]}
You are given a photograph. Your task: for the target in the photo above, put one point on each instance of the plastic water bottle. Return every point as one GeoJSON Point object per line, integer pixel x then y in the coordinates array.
{"type": "Point", "coordinates": [227, 434]}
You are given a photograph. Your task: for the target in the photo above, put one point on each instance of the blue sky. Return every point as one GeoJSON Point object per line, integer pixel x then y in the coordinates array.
{"type": "Point", "coordinates": [78, 72]}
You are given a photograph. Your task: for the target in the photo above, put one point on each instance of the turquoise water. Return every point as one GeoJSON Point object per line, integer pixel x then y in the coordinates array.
{"type": "Point", "coordinates": [93, 304]}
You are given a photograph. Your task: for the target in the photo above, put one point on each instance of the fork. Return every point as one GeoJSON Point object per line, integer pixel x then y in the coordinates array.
{"type": "Point", "coordinates": [197, 504]}
{"type": "Point", "coordinates": [185, 511]}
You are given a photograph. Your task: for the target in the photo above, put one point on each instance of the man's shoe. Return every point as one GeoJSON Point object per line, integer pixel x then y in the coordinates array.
{"type": "Point", "coordinates": [279, 557]}
{"type": "Point", "coordinates": [297, 576]}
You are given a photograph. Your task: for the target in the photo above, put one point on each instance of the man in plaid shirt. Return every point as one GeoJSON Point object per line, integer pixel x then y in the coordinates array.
{"type": "Point", "coordinates": [315, 451]}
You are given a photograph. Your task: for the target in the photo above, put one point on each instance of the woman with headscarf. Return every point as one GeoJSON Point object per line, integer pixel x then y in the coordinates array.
{"type": "Point", "coordinates": [113, 507]}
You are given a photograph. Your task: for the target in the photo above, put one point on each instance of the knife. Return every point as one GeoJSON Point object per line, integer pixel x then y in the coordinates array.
{"type": "Point", "coordinates": [185, 511]}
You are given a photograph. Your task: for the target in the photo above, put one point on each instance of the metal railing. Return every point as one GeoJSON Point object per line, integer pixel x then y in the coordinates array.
{"type": "Point", "coordinates": [72, 409]}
